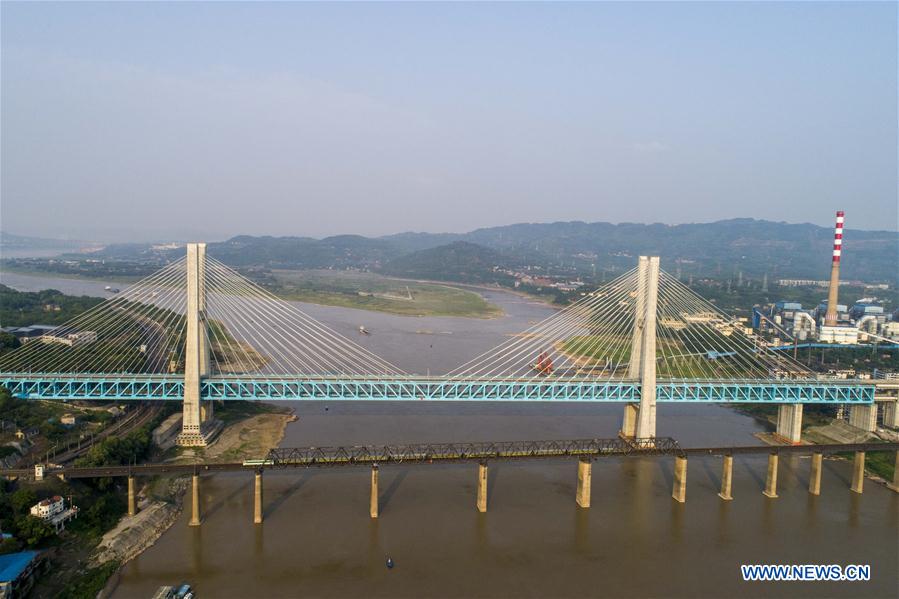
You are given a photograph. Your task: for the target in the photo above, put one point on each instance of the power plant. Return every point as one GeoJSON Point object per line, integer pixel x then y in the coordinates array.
{"type": "Point", "coordinates": [829, 322]}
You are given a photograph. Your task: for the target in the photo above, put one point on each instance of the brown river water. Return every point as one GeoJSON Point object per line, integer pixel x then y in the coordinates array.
{"type": "Point", "coordinates": [634, 541]}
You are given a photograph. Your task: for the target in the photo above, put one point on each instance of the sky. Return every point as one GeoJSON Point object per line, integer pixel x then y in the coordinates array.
{"type": "Point", "coordinates": [170, 121]}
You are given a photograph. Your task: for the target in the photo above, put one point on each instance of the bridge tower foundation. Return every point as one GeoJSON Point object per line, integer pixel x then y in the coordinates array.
{"type": "Point", "coordinates": [891, 414]}
{"type": "Point", "coordinates": [629, 423]}
{"type": "Point", "coordinates": [198, 425]}
{"type": "Point", "coordinates": [789, 422]}
{"type": "Point", "coordinates": [864, 417]}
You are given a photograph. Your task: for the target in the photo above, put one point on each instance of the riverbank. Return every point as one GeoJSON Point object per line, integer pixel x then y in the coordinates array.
{"type": "Point", "coordinates": [360, 291]}
{"type": "Point", "coordinates": [247, 434]}
{"type": "Point", "coordinates": [370, 291]}
{"type": "Point", "coordinates": [134, 534]}
{"type": "Point", "coordinates": [538, 299]}
{"type": "Point", "coordinates": [125, 280]}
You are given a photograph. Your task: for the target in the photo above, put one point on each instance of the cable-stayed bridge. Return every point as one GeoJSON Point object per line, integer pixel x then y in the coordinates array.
{"type": "Point", "coordinates": [198, 331]}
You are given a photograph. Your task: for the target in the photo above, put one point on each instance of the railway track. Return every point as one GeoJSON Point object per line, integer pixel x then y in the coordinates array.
{"type": "Point", "coordinates": [137, 417]}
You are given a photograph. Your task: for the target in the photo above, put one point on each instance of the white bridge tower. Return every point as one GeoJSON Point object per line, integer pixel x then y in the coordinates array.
{"type": "Point", "coordinates": [198, 425]}
{"type": "Point", "coordinates": [640, 419]}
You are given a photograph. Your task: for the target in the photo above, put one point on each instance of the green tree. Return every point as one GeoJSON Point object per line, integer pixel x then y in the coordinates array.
{"type": "Point", "coordinates": [22, 500]}
{"type": "Point", "coordinates": [102, 515]}
{"type": "Point", "coordinates": [8, 342]}
{"type": "Point", "coordinates": [9, 546]}
{"type": "Point", "coordinates": [33, 530]}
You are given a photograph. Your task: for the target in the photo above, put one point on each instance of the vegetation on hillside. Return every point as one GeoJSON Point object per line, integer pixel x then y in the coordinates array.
{"type": "Point", "coordinates": [44, 415]}
{"type": "Point", "coordinates": [719, 249]}
{"type": "Point", "coordinates": [21, 308]}
{"type": "Point", "coordinates": [78, 266]}
{"type": "Point", "coordinates": [121, 346]}
{"type": "Point", "coordinates": [459, 261]}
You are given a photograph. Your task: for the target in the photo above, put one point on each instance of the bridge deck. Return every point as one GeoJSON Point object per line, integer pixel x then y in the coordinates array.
{"type": "Point", "coordinates": [306, 457]}
{"type": "Point", "coordinates": [289, 388]}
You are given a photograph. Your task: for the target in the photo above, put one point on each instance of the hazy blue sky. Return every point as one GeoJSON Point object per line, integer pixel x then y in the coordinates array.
{"type": "Point", "coordinates": [138, 121]}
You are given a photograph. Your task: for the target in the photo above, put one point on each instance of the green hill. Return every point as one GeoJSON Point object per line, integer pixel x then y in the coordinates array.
{"type": "Point", "coordinates": [720, 250]}
{"type": "Point", "coordinates": [457, 261]}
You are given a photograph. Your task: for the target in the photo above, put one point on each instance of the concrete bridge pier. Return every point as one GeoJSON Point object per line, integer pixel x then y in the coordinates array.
{"type": "Point", "coordinates": [584, 482]}
{"type": "Point", "coordinates": [864, 417]}
{"type": "Point", "coordinates": [679, 492]}
{"type": "Point", "coordinates": [629, 422]}
{"type": "Point", "coordinates": [482, 487]}
{"type": "Point", "coordinates": [891, 414]}
{"type": "Point", "coordinates": [814, 480]}
{"type": "Point", "coordinates": [195, 501]}
{"type": "Point", "coordinates": [789, 422]}
{"type": "Point", "coordinates": [373, 502]}
{"type": "Point", "coordinates": [858, 472]}
{"type": "Point", "coordinates": [727, 477]}
{"type": "Point", "coordinates": [895, 484]}
{"type": "Point", "coordinates": [771, 479]}
{"type": "Point", "coordinates": [132, 502]}
{"type": "Point", "coordinates": [257, 498]}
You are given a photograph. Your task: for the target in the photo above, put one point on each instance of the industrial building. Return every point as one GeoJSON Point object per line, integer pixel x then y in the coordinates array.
{"type": "Point", "coordinates": [830, 321]}
{"type": "Point", "coordinates": [790, 316]}
{"type": "Point", "coordinates": [72, 339]}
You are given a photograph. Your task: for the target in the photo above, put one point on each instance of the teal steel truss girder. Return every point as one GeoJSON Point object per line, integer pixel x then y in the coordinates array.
{"type": "Point", "coordinates": [94, 387]}
{"type": "Point", "coordinates": [156, 387]}
{"type": "Point", "coordinates": [764, 392]}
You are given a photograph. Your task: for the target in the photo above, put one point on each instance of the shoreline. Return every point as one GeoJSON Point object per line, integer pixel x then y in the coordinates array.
{"type": "Point", "coordinates": [133, 535]}
{"type": "Point", "coordinates": [516, 292]}
{"type": "Point", "coordinates": [39, 274]}
{"type": "Point", "coordinates": [489, 315]}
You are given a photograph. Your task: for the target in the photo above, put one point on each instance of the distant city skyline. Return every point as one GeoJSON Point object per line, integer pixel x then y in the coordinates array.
{"type": "Point", "coordinates": [165, 121]}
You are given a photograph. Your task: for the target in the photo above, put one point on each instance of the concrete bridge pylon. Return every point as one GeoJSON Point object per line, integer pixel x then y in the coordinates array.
{"type": "Point", "coordinates": [198, 425]}
{"type": "Point", "coordinates": [640, 419]}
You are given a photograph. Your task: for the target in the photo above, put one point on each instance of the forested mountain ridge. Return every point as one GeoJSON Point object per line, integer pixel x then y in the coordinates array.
{"type": "Point", "coordinates": [721, 249]}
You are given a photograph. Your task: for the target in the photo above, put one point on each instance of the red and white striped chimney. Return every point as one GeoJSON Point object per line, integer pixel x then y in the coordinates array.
{"type": "Point", "coordinates": [830, 318]}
